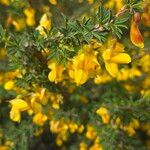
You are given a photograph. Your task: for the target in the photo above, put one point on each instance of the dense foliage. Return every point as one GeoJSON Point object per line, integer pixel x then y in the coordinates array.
{"type": "Point", "coordinates": [74, 74]}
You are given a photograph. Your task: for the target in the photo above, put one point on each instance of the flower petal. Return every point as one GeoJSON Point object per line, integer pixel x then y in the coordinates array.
{"type": "Point", "coordinates": [15, 114]}
{"type": "Point", "coordinates": [19, 104]}
{"type": "Point", "coordinates": [112, 68]}
{"type": "Point", "coordinates": [52, 75]}
{"type": "Point", "coordinates": [121, 58]}
{"type": "Point", "coordinates": [107, 55]}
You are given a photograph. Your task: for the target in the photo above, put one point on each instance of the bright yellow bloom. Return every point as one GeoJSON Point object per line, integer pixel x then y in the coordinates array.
{"type": "Point", "coordinates": [55, 74]}
{"type": "Point", "coordinates": [15, 114]}
{"type": "Point", "coordinates": [40, 96]}
{"type": "Point", "coordinates": [39, 119]}
{"type": "Point", "coordinates": [80, 129]}
{"type": "Point", "coordinates": [83, 146]}
{"type": "Point", "coordinates": [84, 66]}
{"type": "Point", "coordinates": [59, 142]}
{"type": "Point", "coordinates": [129, 130]}
{"type": "Point", "coordinates": [18, 105]}
{"type": "Point", "coordinates": [102, 78]}
{"type": "Point", "coordinates": [53, 2]}
{"type": "Point", "coordinates": [5, 2]}
{"type": "Point", "coordinates": [36, 106]}
{"type": "Point", "coordinates": [4, 148]}
{"type": "Point", "coordinates": [30, 16]}
{"type": "Point", "coordinates": [58, 126]}
{"type": "Point", "coordinates": [45, 23]}
{"type": "Point", "coordinates": [96, 147]}
{"type": "Point", "coordinates": [9, 85]}
{"type": "Point", "coordinates": [145, 62]}
{"type": "Point", "coordinates": [131, 127]}
{"type": "Point", "coordinates": [73, 127]}
{"type": "Point", "coordinates": [114, 56]}
{"type": "Point", "coordinates": [128, 73]}
{"type": "Point", "coordinates": [61, 137]}
{"type": "Point", "coordinates": [56, 100]}
{"type": "Point", "coordinates": [91, 133]}
{"type": "Point", "coordinates": [103, 112]}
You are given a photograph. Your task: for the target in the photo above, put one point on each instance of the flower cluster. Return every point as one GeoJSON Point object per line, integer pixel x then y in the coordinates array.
{"type": "Point", "coordinates": [77, 86]}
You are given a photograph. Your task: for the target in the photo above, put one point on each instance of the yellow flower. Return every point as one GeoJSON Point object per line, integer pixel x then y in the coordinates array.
{"type": "Point", "coordinates": [103, 112]}
{"type": "Point", "coordinates": [135, 123]}
{"type": "Point", "coordinates": [56, 100]}
{"type": "Point", "coordinates": [145, 62]}
{"type": "Point", "coordinates": [18, 105]}
{"type": "Point", "coordinates": [9, 85]}
{"type": "Point", "coordinates": [39, 119]}
{"type": "Point", "coordinates": [40, 96]}
{"type": "Point", "coordinates": [126, 73]}
{"type": "Point", "coordinates": [90, 1]}
{"type": "Point", "coordinates": [55, 74]}
{"type": "Point", "coordinates": [90, 134]}
{"type": "Point", "coordinates": [30, 16]}
{"type": "Point", "coordinates": [5, 2]}
{"type": "Point", "coordinates": [80, 129]}
{"type": "Point", "coordinates": [102, 78]}
{"type": "Point", "coordinates": [19, 24]}
{"type": "Point", "coordinates": [114, 56]}
{"type": "Point", "coordinates": [53, 2]}
{"type": "Point", "coordinates": [117, 122]}
{"type": "Point", "coordinates": [15, 114]}
{"type": "Point", "coordinates": [4, 148]}
{"type": "Point", "coordinates": [58, 126]}
{"type": "Point", "coordinates": [84, 66]}
{"type": "Point", "coordinates": [61, 137]}
{"type": "Point", "coordinates": [96, 147]}
{"type": "Point", "coordinates": [130, 128]}
{"type": "Point", "coordinates": [36, 107]}
{"type": "Point", "coordinates": [59, 142]}
{"type": "Point", "coordinates": [83, 146]}
{"type": "Point", "coordinates": [45, 23]}
{"type": "Point", "coordinates": [73, 127]}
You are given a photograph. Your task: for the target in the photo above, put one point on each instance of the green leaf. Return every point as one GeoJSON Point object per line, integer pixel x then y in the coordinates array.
{"type": "Point", "coordinates": [104, 15]}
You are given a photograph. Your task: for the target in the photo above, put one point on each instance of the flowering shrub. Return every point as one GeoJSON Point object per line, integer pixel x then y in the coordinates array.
{"type": "Point", "coordinates": [74, 74]}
